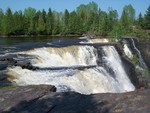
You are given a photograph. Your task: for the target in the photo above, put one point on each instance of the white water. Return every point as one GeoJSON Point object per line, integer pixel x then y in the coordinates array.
{"type": "Point", "coordinates": [64, 56]}
{"type": "Point", "coordinates": [92, 41]}
{"type": "Point", "coordinates": [87, 81]}
{"type": "Point", "coordinates": [127, 50]}
{"type": "Point", "coordinates": [114, 62]}
{"type": "Point", "coordinates": [141, 61]}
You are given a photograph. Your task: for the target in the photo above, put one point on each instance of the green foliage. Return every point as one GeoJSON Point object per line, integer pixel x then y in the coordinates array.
{"type": "Point", "coordinates": [128, 18]}
{"type": "Point", "coordinates": [147, 19]}
{"type": "Point", "coordinates": [142, 34]}
{"type": "Point", "coordinates": [146, 72]}
{"type": "Point", "coordinates": [135, 60]}
{"type": "Point", "coordinates": [112, 19]}
{"type": "Point", "coordinates": [49, 22]}
{"type": "Point", "coordinates": [116, 32]}
{"type": "Point", "coordinates": [41, 27]}
{"type": "Point", "coordinates": [7, 87]}
{"type": "Point", "coordinates": [8, 22]}
{"type": "Point", "coordinates": [29, 14]}
{"type": "Point", "coordinates": [18, 23]}
{"type": "Point", "coordinates": [87, 18]}
{"type": "Point", "coordinates": [73, 23]}
{"type": "Point", "coordinates": [1, 20]}
{"type": "Point", "coordinates": [66, 22]}
{"type": "Point", "coordinates": [140, 21]}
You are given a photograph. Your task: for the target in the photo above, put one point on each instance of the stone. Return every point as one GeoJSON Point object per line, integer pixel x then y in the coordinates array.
{"type": "Point", "coordinates": [41, 99]}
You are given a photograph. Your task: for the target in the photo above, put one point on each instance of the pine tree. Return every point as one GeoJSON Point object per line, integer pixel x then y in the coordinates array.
{"type": "Point", "coordinates": [147, 19]}
{"type": "Point", "coordinates": [66, 21]}
{"type": "Point", "coordinates": [128, 18]}
{"type": "Point", "coordinates": [8, 22]}
{"type": "Point", "coordinates": [41, 24]}
{"type": "Point", "coordinates": [1, 20]}
{"type": "Point", "coordinates": [140, 21]}
{"type": "Point", "coordinates": [49, 22]}
{"type": "Point", "coordinates": [29, 14]}
{"type": "Point", "coordinates": [18, 23]}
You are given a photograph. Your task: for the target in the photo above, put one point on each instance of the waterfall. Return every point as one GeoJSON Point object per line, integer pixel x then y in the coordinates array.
{"type": "Point", "coordinates": [86, 81]}
{"type": "Point", "coordinates": [127, 50]}
{"type": "Point", "coordinates": [64, 56]}
{"type": "Point", "coordinates": [141, 61]}
{"type": "Point", "coordinates": [113, 61]}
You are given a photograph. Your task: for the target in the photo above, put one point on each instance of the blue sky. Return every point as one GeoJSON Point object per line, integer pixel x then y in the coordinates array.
{"type": "Point", "coordinates": [61, 5]}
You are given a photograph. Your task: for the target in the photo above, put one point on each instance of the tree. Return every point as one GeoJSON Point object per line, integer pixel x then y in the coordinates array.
{"type": "Point", "coordinates": [49, 22]}
{"type": "Point", "coordinates": [140, 21]}
{"type": "Point", "coordinates": [66, 21]}
{"type": "Point", "coordinates": [112, 18]}
{"type": "Point", "coordinates": [74, 23]}
{"type": "Point", "coordinates": [18, 23]}
{"type": "Point", "coordinates": [128, 18]}
{"type": "Point", "coordinates": [116, 32]}
{"type": "Point", "coordinates": [57, 22]}
{"type": "Point", "coordinates": [147, 19]}
{"type": "Point", "coordinates": [1, 20]}
{"type": "Point", "coordinates": [44, 15]}
{"type": "Point", "coordinates": [82, 14]}
{"type": "Point", "coordinates": [103, 23]}
{"type": "Point", "coordinates": [8, 22]}
{"type": "Point", "coordinates": [41, 24]}
{"type": "Point", "coordinates": [29, 14]}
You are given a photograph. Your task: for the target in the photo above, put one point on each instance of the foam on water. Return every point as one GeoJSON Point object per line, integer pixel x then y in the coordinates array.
{"type": "Point", "coordinates": [86, 81]}
{"type": "Point", "coordinates": [114, 62]}
{"type": "Point", "coordinates": [127, 51]}
{"type": "Point", "coordinates": [64, 56]}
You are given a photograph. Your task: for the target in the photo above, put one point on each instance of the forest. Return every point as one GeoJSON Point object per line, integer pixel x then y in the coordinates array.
{"type": "Point", "coordinates": [86, 19]}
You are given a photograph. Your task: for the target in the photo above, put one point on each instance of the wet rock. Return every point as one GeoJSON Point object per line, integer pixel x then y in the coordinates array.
{"type": "Point", "coordinates": [40, 99]}
{"type": "Point", "coordinates": [3, 66]}
{"type": "Point", "coordinates": [144, 47]}
{"type": "Point", "coordinates": [3, 79]}
{"type": "Point", "coordinates": [140, 78]}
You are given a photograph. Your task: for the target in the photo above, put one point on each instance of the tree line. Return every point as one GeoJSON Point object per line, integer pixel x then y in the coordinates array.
{"type": "Point", "coordinates": [85, 19]}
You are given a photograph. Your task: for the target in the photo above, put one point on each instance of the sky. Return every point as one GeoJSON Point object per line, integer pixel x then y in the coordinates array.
{"type": "Point", "coordinates": [61, 5]}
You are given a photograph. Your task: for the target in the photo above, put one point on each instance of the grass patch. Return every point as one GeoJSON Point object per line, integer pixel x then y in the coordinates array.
{"type": "Point", "coordinates": [7, 87]}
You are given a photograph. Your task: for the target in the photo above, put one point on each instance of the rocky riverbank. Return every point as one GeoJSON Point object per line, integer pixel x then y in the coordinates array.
{"type": "Point", "coordinates": [44, 99]}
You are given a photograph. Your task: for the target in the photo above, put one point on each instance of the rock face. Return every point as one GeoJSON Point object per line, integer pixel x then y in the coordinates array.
{"type": "Point", "coordinates": [11, 61]}
{"type": "Point", "coordinates": [144, 47]}
{"type": "Point", "coordinates": [41, 99]}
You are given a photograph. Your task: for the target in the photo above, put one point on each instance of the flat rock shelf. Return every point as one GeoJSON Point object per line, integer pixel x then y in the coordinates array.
{"type": "Point", "coordinates": [44, 99]}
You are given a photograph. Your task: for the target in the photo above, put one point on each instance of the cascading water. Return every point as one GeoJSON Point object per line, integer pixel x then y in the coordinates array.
{"type": "Point", "coordinates": [86, 81]}
{"type": "Point", "coordinates": [141, 61]}
{"type": "Point", "coordinates": [113, 61]}
{"type": "Point", "coordinates": [64, 56]}
{"type": "Point", "coordinates": [127, 50]}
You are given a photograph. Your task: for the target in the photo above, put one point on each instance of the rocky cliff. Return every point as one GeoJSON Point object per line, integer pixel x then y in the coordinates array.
{"type": "Point", "coordinates": [144, 46]}
{"type": "Point", "coordinates": [139, 75]}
